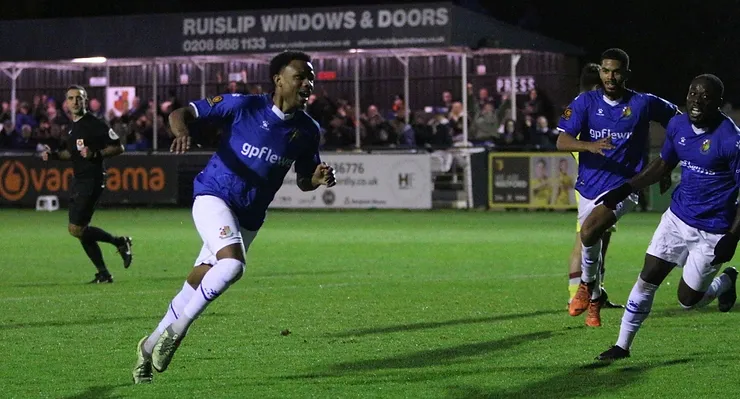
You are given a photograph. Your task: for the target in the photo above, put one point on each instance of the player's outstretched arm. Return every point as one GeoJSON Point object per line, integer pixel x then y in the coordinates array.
{"type": "Point", "coordinates": [649, 176]}
{"type": "Point", "coordinates": [179, 120]}
{"type": "Point", "coordinates": [653, 173]}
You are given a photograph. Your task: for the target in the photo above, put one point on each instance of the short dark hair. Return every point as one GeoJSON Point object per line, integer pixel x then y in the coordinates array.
{"type": "Point", "coordinates": [617, 54]}
{"type": "Point", "coordinates": [714, 81]}
{"type": "Point", "coordinates": [590, 76]}
{"type": "Point", "coordinates": [282, 60]}
{"type": "Point", "coordinates": [75, 87]}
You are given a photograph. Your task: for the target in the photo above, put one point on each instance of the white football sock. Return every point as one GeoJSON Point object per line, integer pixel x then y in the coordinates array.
{"type": "Point", "coordinates": [174, 310]}
{"type": "Point", "coordinates": [636, 311]}
{"type": "Point", "coordinates": [216, 281]}
{"type": "Point", "coordinates": [596, 293]}
{"type": "Point", "coordinates": [590, 262]}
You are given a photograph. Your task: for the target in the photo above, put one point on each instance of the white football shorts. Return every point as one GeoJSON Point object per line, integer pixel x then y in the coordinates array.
{"type": "Point", "coordinates": [676, 242]}
{"type": "Point", "coordinates": [586, 206]}
{"type": "Point", "coordinates": [218, 227]}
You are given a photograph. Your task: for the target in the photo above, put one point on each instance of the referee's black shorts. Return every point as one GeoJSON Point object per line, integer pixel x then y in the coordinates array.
{"type": "Point", "coordinates": [84, 198]}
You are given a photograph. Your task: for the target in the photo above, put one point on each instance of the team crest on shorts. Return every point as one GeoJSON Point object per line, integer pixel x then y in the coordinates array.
{"type": "Point", "coordinates": [705, 146]}
{"type": "Point", "coordinates": [567, 113]}
{"type": "Point", "coordinates": [225, 232]}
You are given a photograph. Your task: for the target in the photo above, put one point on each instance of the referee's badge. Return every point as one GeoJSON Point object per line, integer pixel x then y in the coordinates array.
{"type": "Point", "coordinates": [80, 144]}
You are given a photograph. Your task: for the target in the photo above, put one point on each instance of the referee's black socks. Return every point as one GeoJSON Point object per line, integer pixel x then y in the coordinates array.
{"type": "Point", "coordinates": [92, 249]}
{"type": "Point", "coordinates": [93, 233]}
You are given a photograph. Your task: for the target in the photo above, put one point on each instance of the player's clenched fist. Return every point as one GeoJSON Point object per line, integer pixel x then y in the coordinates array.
{"type": "Point", "coordinates": [324, 174]}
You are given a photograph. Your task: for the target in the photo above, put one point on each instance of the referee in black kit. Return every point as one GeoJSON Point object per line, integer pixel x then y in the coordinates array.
{"type": "Point", "coordinates": [89, 142]}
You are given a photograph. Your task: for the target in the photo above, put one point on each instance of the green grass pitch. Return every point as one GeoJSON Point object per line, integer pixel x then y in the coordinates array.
{"type": "Point", "coordinates": [380, 304]}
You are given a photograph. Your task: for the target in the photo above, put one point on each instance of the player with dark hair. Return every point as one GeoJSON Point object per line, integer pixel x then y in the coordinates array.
{"type": "Point", "coordinates": [610, 127]}
{"type": "Point", "coordinates": [265, 135]}
{"type": "Point", "coordinates": [589, 80]}
{"type": "Point", "coordinates": [590, 77]}
{"type": "Point", "coordinates": [89, 142]}
{"type": "Point", "coordinates": [701, 228]}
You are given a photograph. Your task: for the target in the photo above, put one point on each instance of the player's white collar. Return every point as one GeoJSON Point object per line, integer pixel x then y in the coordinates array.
{"type": "Point", "coordinates": [698, 130]}
{"type": "Point", "coordinates": [282, 115]}
{"type": "Point", "coordinates": [611, 102]}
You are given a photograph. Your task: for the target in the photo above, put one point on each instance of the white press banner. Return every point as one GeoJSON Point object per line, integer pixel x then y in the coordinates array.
{"type": "Point", "coordinates": [393, 181]}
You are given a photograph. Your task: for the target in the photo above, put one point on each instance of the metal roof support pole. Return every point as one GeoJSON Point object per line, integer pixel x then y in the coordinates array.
{"type": "Point", "coordinates": [13, 74]}
{"type": "Point", "coordinates": [107, 85]}
{"type": "Point", "coordinates": [514, 61]}
{"type": "Point", "coordinates": [405, 62]}
{"type": "Point", "coordinates": [357, 101]}
{"type": "Point", "coordinates": [464, 67]}
{"type": "Point", "coordinates": [467, 170]}
{"type": "Point", "coordinates": [155, 116]}
{"type": "Point", "coordinates": [202, 68]}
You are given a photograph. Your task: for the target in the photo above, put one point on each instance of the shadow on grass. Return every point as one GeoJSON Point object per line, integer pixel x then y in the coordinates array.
{"type": "Point", "coordinates": [438, 324]}
{"type": "Point", "coordinates": [93, 322]}
{"type": "Point", "coordinates": [98, 392]}
{"type": "Point", "coordinates": [582, 381]}
{"type": "Point", "coordinates": [429, 358]}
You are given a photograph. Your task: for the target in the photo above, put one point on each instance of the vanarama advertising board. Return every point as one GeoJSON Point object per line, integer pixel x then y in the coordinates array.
{"type": "Point", "coordinates": [131, 179]}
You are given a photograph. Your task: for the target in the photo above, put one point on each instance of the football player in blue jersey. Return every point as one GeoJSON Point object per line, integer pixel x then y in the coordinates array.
{"type": "Point", "coordinates": [589, 80]}
{"type": "Point", "coordinates": [263, 137]}
{"type": "Point", "coordinates": [700, 230]}
{"type": "Point", "coordinates": [612, 126]}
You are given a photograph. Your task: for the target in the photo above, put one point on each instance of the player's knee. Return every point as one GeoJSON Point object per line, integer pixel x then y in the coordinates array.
{"type": "Point", "coordinates": [684, 305]}
{"type": "Point", "coordinates": [688, 300]}
{"type": "Point", "coordinates": [588, 235]}
{"type": "Point", "coordinates": [233, 251]}
{"type": "Point", "coordinates": [688, 297]}
{"type": "Point", "coordinates": [196, 275]}
{"type": "Point", "coordinates": [231, 269]}
{"type": "Point", "coordinates": [76, 231]}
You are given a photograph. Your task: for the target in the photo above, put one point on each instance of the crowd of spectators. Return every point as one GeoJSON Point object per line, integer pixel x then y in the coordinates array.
{"type": "Point", "coordinates": [45, 120]}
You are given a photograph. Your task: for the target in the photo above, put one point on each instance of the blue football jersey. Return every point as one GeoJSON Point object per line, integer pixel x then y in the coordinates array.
{"type": "Point", "coordinates": [591, 117]}
{"type": "Point", "coordinates": [258, 147]}
{"type": "Point", "coordinates": [706, 197]}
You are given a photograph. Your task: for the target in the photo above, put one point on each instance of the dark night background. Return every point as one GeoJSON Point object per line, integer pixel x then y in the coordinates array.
{"type": "Point", "coordinates": [669, 41]}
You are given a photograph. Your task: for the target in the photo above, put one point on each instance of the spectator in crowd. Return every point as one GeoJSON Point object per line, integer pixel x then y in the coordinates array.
{"type": "Point", "coordinates": [378, 132]}
{"type": "Point", "coordinates": [446, 102]}
{"type": "Point", "coordinates": [483, 98]}
{"type": "Point", "coordinates": [140, 143]}
{"type": "Point", "coordinates": [4, 111]}
{"type": "Point", "coordinates": [512, 137]}
{"type": "Point", "coordinates": [24, 142]}
{"type": "Point", "coordinates": [542, 136]}
{"type": "Point", "coordinates": [24, 117]}
{"type": "Point", "coordinates": [456, 122]}
{"type": "Point", "coordinates": [7, 133]}
{"type": "Point", "coordinates": [486, 125]}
